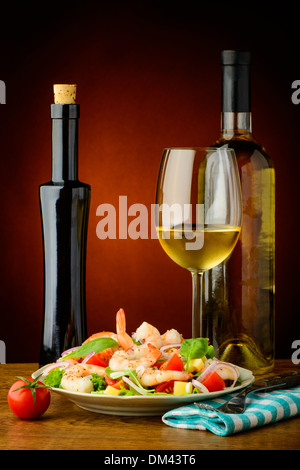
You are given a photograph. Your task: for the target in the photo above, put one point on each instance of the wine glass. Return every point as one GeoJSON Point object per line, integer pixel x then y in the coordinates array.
{"type": "Point", "coordinates": [198, 212]}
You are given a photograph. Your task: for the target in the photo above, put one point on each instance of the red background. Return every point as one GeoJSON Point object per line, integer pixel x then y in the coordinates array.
{"type": "Point", "coordinates": [149, 77]}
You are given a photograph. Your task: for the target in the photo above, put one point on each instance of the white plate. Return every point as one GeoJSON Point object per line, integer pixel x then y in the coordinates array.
{"type": "Point", "coordinates": [141, 405]}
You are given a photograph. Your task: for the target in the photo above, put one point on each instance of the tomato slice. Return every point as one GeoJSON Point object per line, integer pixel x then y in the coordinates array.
{"type": "Point", "coordinates": [101, 358]}
{"type": "Point", "coordinates": [174, 363]}
{"type": "Point", "coordinates": [109, 381]}
{"type": "Point", "coordinates": [165, 387]}
{"type": "Point", "coordinates": [213, 382]}
{"type": "Point", "coordinates": [119, 384]}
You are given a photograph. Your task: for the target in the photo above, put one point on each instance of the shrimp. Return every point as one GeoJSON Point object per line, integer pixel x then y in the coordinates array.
{"type": "Point", "coordinates": [149, 334]}
{"type": "Point", "coordinates": [71, 361]}
{"type": "Point", "coordinates": [171, 337]}
{"type": "Point", "coordinates": [152, 377]}
{"type": "Point", "coordinates": [124, 340]}
{"type": "Point", "coordinates": [144, 355]}
{"type": "Point", "coordinates": [78, 377]}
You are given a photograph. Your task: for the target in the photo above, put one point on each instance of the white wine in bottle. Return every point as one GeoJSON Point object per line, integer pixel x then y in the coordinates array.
{"type": "Point", "coordinates": [238, 304]}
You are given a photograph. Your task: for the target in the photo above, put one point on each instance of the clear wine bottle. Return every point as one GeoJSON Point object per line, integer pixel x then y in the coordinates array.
{"type": "Point", "coordinates": [239, 294]}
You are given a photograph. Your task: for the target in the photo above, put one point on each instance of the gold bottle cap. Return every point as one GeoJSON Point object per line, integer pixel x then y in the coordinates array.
{"type": "Point", "coordinates": [64, 94]}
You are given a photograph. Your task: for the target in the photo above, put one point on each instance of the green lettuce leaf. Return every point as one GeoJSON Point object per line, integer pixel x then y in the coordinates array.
{"type": "Point", "coordinates": [196, 348]}
{"type": "Point", "coordinates": [130, 373]}
{"type": "Point", "coordinates": [54, 377]}
{"type": "Point", "coordinates": [95, 345]}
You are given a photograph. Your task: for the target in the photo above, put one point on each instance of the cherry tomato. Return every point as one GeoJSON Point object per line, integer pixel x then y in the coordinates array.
{"type": "Point", "coordinates": [101, 358]}
{"type": "Point", "coordinates": [165, 387]}
{"type": "Point", "coordinates": [213, 382]}
{"type": "Point", "coordinates": [28, 398]}
{"type": "Point", "coordinates": [174, 363]}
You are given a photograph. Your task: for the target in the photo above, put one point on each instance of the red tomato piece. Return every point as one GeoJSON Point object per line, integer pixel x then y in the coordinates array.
{"type": "Point", "coordinates": [119, 384]}
{"type": "Point", "coordinates": [174, 363]}
{"type": "Point", "coordinates": [21, 398]}
{"type": "Point", "coordinates": [165, 387]}
{"type": "Point", "coordinates": [159, 363]}
{"type": "Point", "coordinates": [109, 381]}
{"type": "Point", "coordinates": [213, 382]}
{"type": "Point", "coordinates": [101, 358]}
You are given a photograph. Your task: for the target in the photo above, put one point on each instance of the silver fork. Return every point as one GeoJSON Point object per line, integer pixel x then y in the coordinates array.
{"type": "Point", "coordinates": [237, 404]}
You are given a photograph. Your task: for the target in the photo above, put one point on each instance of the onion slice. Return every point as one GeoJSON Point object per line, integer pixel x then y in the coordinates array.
{"type": "Point", "coordinates": [163, 349]}
{"type": "Point", "coordinates": [56, 365]}
{"type": "Point", "coordinates": [140, 370]}
{"type": "Point", "coordinates": [138, 389]}
{"type": "Point", "coordinates": [206, 371]}
{"type": "Point", "coordinates": [64, 353]}
{"type": "Point", "coordinates": [221, 370]}
{"type": "Point", "coordinates": [199, 386]}
{"type": "Point", "coordinates": [88, 357]}
{"type": "Point", "coordinates": [220, 367]}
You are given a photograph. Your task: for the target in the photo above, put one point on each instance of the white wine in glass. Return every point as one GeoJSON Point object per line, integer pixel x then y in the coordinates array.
{"type": "Point", "coordinates": [198, 212]}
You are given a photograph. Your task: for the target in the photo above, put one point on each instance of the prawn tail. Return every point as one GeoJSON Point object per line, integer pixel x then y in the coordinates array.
{"type": "Point", "coordinates": [124, 339]}
{"type": "Point", "coordinates": [155, 353]}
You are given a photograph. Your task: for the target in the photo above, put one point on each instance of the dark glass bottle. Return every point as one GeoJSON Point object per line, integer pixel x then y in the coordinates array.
{"type": "Point", "coordinates": [64, 203]}
{"type": "Point", "coordinates": [238, 306]}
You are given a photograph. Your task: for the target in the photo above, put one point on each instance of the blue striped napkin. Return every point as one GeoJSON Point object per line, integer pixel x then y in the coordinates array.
{"type": "Point", "coordinates": [262, 408]}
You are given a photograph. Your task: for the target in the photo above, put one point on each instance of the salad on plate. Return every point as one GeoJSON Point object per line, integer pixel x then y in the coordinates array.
{"type": "Point", "coordinates": [145, 363]}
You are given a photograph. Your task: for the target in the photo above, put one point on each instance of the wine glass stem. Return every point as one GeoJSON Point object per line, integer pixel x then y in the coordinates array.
{"type": "Point", "coordinates": [197, 305]}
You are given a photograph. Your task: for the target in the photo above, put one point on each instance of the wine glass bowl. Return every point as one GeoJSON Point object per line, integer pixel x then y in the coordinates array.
{"type": "Point", "coordinates": [198, 211]}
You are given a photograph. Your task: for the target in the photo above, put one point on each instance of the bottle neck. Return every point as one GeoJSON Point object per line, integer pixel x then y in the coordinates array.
{"type": "Point", "coordinates": [64, 142]}
{"type": "Point", "coordinates": [236, 124]}
{"type": "Point", "coordinates": [236, 100]}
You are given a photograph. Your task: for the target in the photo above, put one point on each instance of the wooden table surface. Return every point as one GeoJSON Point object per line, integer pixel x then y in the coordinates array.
{"type": "Point", "coordinates": [67, 427]}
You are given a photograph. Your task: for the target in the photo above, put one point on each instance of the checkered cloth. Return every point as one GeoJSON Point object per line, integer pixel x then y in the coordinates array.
{"type": "Point", "coordinates": [262, 408]}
